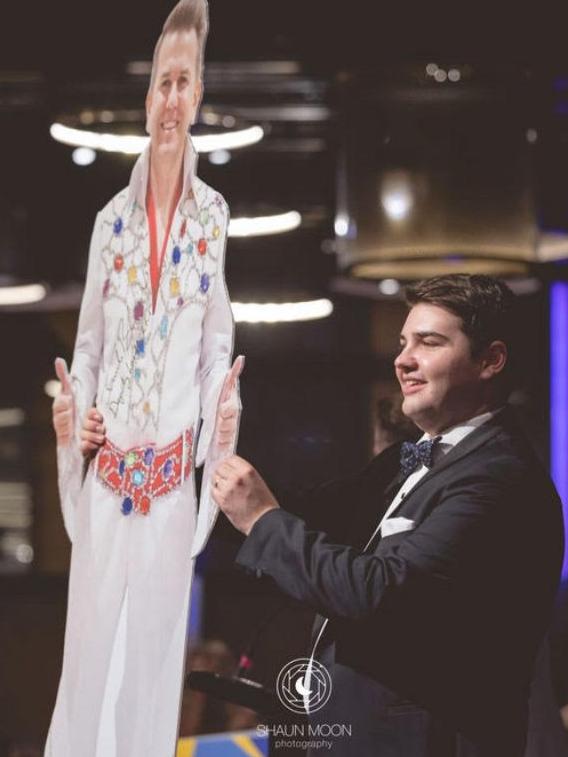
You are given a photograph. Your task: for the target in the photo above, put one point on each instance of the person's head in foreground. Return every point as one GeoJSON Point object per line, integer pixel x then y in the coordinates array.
{"type": "Point", "coordinates": [456, 349]}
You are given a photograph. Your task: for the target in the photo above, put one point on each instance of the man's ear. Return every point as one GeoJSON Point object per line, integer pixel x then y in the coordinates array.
{"type": "Point", "coordinates": [493, 359]}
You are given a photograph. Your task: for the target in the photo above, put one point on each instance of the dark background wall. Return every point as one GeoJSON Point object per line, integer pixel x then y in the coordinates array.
{"type": "Point", "coordinates": [308, 388]}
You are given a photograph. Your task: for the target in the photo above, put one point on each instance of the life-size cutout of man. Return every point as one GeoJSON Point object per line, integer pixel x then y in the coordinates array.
{"type": "Point", "coordinates": [439, 585]}
{"type": "Point", "coordinates": [153, 349]}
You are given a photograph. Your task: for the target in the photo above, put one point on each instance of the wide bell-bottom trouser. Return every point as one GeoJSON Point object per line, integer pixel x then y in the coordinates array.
{"type": "Point", "coordinates": [131, 573]}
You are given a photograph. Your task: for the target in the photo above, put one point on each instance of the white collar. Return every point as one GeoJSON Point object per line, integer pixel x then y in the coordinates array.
{"type": "Point", "coordinates": [457, 433]}
{"type": "Point", "coordinates": [139, 179]}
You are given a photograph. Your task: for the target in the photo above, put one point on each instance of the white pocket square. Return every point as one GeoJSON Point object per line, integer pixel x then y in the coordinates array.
{"type": "Point", "coordinates": [392, 526]}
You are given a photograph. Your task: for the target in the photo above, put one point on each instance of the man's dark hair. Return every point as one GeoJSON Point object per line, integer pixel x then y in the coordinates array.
{"type": "Point", "coordinates": [486, 307]}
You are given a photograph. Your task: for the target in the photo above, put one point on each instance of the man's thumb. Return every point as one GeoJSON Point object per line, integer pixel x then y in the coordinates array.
{"type": "Point", "coordinates": [231, 378]}
{"type": "Point", "coordinates": [63, 375]}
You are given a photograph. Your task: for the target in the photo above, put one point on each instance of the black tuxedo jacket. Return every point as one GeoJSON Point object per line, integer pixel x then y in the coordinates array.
{"type": "Point", "coordinates": [446, 617]}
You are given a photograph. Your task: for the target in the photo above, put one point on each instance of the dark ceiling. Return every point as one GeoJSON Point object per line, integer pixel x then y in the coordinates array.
{"type": "Point", "coordinates": [61, 56]}
{"type": "Point", "coordinates": [66, 38]}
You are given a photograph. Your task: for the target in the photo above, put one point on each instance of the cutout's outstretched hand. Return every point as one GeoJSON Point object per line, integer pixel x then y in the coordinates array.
{"type": "Point", "coordinates": [63, 405]}
{"type": "Point", "coordinates": [230, 383]}
{"type": "Point", "coordinates": [229, 407]}
{"type": "Point", "coordinates": [62, 374]}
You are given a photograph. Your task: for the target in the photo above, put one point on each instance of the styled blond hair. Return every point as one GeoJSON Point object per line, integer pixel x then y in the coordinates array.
{"type": "Point", "coordinates": [186, 15]}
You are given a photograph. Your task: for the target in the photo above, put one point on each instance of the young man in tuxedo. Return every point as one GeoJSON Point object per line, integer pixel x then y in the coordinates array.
{"type": "Point", "coordinates": [435, 622]}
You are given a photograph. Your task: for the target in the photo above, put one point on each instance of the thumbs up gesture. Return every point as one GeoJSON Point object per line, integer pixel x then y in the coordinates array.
{"type": "Point", "coordinates": [228, 407]}
{"type": "Point", "coordinates": [63, 405]}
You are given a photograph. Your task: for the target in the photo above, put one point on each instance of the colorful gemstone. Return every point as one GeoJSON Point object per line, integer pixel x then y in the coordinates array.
{"type": "Point", "coordinates": [138, 310]}
{"type": "Point", "coordinates": [140, 346]}
{"type": "Point", "coordinates": [176, 255]}
{"type": "Point", "coordinates": [174, 286]}
{"type": "Point", "coordinates": [106, 287]}
{"type": "Point", "coordinates": [216, 232]}
{"type": "Point", "coordinates": [117, 226]}
{"type": "Point", "coordinates": [118, 263]}
{"type": "Point", "coordinates": [121, 468]}
{"type": "Point", "coordinates": [137, 374]}
{"type": "Point", "coordinates": [146, 407]}
{"type": "Point", "coordinates": [168, 467]}
{"type": "Point", "coordinates": [183, 228]}
{"type": "Point", "coordinates": [164, 326]}
{"type": "Point", "coordinates": [138, 477]}
{"type": "Point", "coordinates": [148, 456]}
{"type": "Point", "coordinates": [144, 506]}
{"type": "Point", "coordinates": [132, 274]}
{"type": "Point", "coordinates": [130, 458]}
{"type": "Point", "coordinates": [189, 248]}
{"type": "Point", "coordinates": [180, 302]}
{"type": "Point", "coordinates": [202, 246]}
{"type": "Point", "coordinates": [126, 506]}
{"type": "Point", "coordinates": [204, 217]}
{"type": "Point", "coordinates": [204, 283]}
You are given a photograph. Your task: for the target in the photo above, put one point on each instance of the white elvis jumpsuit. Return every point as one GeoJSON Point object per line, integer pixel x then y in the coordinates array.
{"type": "Point", "coordinates": [153, 375]}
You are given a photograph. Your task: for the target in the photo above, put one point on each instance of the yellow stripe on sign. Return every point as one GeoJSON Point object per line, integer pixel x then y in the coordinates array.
{"type": "Point", "coordinates": [248, 747]}
{"type": "Point", "coordinates": [186, 747]}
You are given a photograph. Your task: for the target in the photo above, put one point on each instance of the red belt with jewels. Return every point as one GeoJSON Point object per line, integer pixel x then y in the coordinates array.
{"type": "Point", "coordinates": [141, 474]}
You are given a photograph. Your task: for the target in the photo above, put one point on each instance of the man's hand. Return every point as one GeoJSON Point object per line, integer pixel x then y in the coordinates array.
{"type": "Point", "coordinates": [241, 493]}
{"type": "Point", "coordinates": [63, 405]}
{"type": "Point", "coordinates": [228, 408]}
{"type": "Point", "coordinates": [92, 432]}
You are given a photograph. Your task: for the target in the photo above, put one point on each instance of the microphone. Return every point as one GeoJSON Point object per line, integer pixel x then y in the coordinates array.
{"type": "Point", "coordinates": [236, 690]}
{"type": "Point", "coordinates": [239, 688]}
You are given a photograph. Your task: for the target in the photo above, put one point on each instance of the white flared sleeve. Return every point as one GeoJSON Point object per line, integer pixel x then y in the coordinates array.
{"type": "Point", "coordinates": [84, 379]}
{"type": "Point", "coordinates": [214, 365]}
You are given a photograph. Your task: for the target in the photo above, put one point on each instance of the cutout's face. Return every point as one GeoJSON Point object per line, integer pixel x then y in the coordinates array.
{"type": "Point", "coordinates": [441, 383]}
{"type": "Point", "coordinates": [172, 102]}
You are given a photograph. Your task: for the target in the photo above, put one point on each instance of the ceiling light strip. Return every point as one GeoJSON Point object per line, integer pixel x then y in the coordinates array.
{"type": "Point", "coordinates": [22, 295]}
{"type": "Point", "coordinates": [261, 225]}
{"type": "Point", "coordinates": [131, 144]}
{"type": "Point", "coordinates": [281, 312]}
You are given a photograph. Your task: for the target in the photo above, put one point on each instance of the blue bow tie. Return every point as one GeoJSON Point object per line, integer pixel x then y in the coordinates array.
{"type": "Point", "coordinates": [413, 455]}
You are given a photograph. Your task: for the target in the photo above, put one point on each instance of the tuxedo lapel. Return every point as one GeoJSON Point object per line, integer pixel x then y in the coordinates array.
{"type": "Point", "coordinates": [393, 487]}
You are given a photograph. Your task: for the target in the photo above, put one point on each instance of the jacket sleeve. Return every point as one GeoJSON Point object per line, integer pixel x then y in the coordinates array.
{"type": "Point", "coordinates": [344, 583]}
{"type": "Point", "coordinates": [84, 380]}
{"type": "Point", "coordinates": [214, 365]}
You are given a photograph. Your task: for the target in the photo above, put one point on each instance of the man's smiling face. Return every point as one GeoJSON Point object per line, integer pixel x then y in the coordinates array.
{"type": "Point", "coordinates": [174, 97]}
{"type": "Point", "coordinates": [441, 382]}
